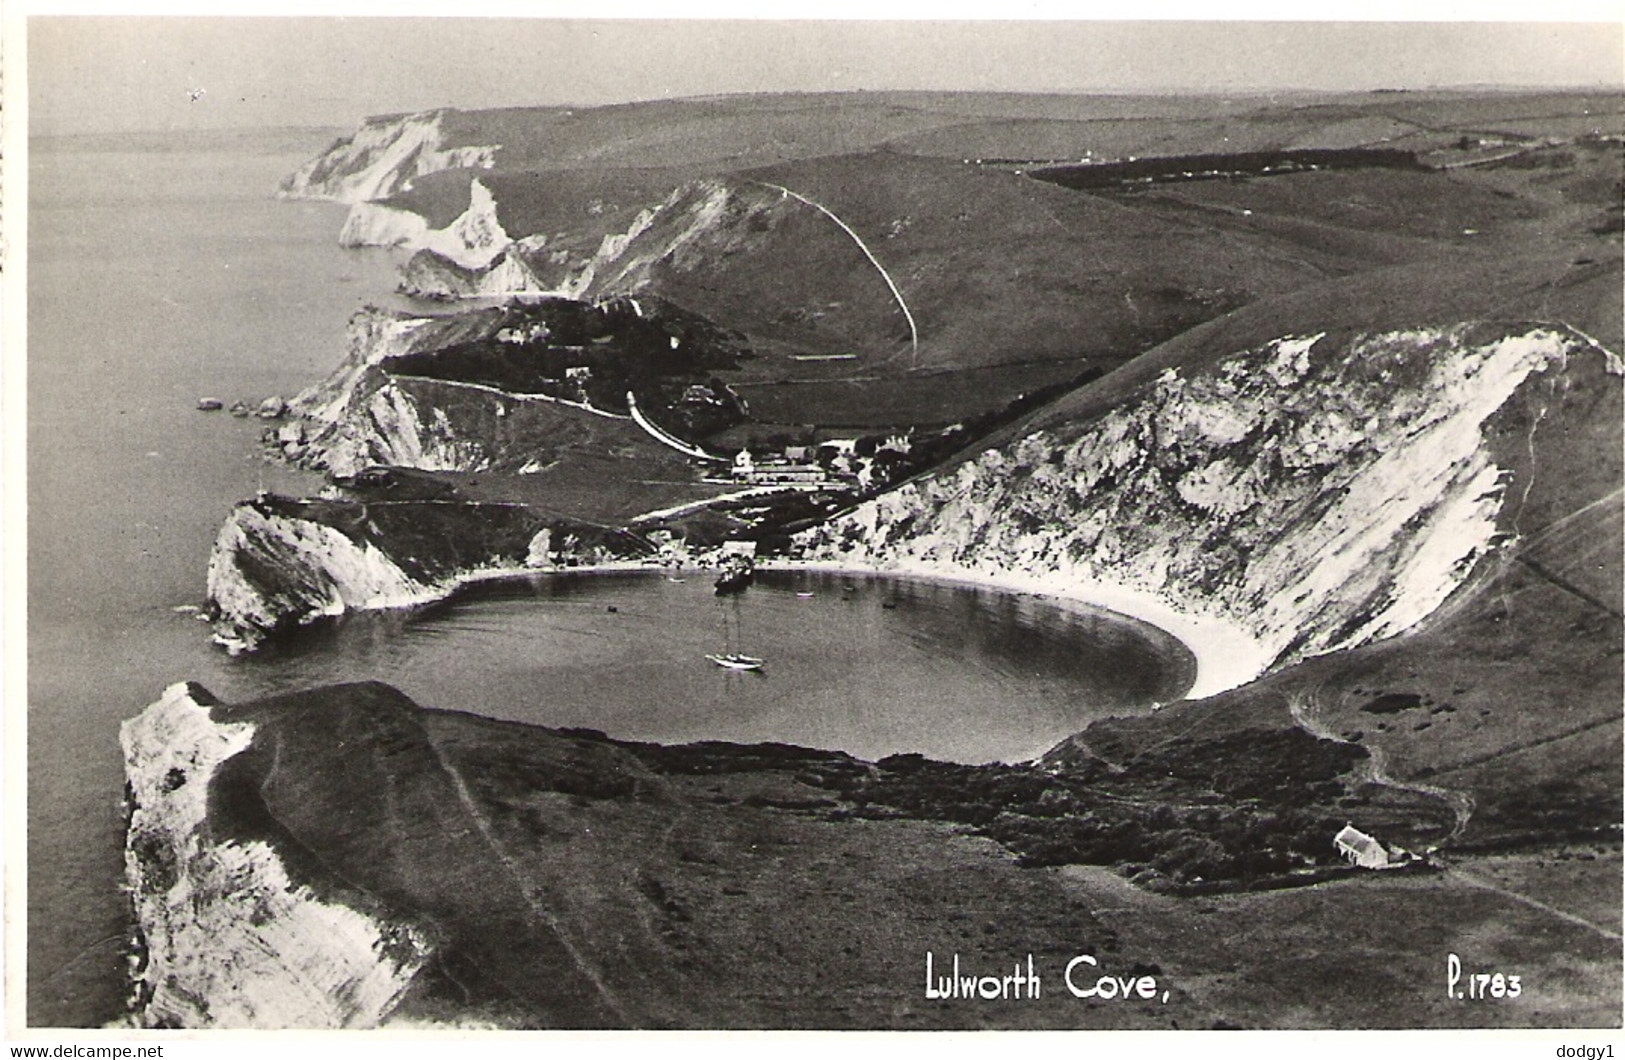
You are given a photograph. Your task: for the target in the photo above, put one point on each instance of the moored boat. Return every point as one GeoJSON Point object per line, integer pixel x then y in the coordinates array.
{"type": "Point", "coordinates": [735, 661]}
{"type": "Point", "coordinates": [736, 576]}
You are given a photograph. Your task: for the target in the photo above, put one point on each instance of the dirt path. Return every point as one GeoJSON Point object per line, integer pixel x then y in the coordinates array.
{"type": "Point", "coordinates": [913, 332]}
{"type": "Point", "coordinates": [543, 914]}
{"type": "Point", "coordinates": [1305, 707]}
{"type": "Point", "coordinates": [1474, 880]}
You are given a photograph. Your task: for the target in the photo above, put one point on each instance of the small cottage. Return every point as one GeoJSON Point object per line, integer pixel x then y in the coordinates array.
{"type": "Point", "coordinates": [1360, 849]}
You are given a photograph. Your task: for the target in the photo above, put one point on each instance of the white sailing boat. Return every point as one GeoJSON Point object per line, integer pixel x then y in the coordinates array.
{"type": "Point", "coordinates": [729, 659]}
{"type": "Point", "coordinates": [736, 661]}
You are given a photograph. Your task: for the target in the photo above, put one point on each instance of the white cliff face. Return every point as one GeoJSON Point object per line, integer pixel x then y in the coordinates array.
{"type": "Point", "coordinates": [386, 424]}
{"type": "Point", "coordinates": [696, 222]}
{"type": "Point", "coordinates": [476, 236]}
{"type": "Point", "coordinates": [374, 224]}
{"type": "Point", "coordinates": [266, 566]}
{"type": "Point", "coordinates": [518, 269]}
{"type": "Point", "coordinates": [622, 261]}
{"type": "Point", "coordinates": [231, 941]}
{"type": "Point", "coordinates": [472, 241]}
{"type": "Point", "coordinates": [612, 247]}
{"type": "Point", "coordinates": [361, 416]}
{"type": "Point", "coordinates": [407, 434]}
{"type": "Point", "coordinates": [279, 563]}
{"type": "Point", "coordinates": [381, 159]}
{"type": "Point", "coordinates": [374, 335]}
{"type": "Point", "coordinates": [1299, 498]}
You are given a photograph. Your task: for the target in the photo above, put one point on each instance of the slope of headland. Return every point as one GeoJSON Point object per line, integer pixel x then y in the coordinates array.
{"type": "Point", "coordinates": [1353, 433]}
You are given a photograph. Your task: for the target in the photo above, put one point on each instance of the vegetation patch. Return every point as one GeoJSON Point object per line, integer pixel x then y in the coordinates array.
{"type": "Point", "coordinates": [1392, 703]}
{"type": "Point", "coordinates": [1254, 810]}
{"type": "Point", "coordinates": [596, 354]}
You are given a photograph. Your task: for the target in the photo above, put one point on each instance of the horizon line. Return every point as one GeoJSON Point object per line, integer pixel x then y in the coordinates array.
{"type": "Point", "coordinates": [1486, 87]}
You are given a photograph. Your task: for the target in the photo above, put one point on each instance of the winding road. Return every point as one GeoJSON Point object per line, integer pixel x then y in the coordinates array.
{"type": "Point", "coordinates": [654, 431]}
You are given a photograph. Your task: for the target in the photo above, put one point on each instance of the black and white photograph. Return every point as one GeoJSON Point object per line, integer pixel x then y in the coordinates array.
{"type": "Point", "coordinates": [534, 521]}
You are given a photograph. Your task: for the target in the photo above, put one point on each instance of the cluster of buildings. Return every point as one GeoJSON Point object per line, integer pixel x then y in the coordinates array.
{"type": "Point", "coordinates": [797, 466]}
{"type": "Point", "coordinates": [834, 464]}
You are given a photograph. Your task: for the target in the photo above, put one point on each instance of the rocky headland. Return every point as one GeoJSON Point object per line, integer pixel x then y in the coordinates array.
{"type": "Point", "coordinates": [1354, 436]}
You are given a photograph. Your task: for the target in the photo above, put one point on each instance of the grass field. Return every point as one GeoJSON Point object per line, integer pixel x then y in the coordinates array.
{"type": "Point", "coordinates": [1372, 953]}
{"type": "Point", "coordinates": [716, 885]}
{"type": "Point", "coordinates": [1000, 270]}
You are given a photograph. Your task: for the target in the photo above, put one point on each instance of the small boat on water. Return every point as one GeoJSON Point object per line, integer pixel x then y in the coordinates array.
{"type": "Point", "coordinates": [735, 661]}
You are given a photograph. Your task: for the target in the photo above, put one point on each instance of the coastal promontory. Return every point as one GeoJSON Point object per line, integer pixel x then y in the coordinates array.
{"type": "Point", "coordinates": [1330, 393]}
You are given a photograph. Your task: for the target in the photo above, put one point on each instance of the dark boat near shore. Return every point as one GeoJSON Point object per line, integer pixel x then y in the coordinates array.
{"type": "Point", "coordinates": [736, 576]}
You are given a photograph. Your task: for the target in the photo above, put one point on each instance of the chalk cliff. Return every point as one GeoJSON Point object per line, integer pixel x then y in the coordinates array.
{"type": "Point", "coordinates": [361, 415]}
{"type": "Point", "coordinates": [279, 562]}
{"type": "Point", "coordinates": [571, 879]}
{"type": "Point", "coordinates": [1314, 493]}
{"type": "Point", "coordinates": [472, 240]}
{"type": "Point", "coordinates": [1410, 488]}
{"type": "Point", "coordinates": [268, 565]}
{"type": "Point", "coordinates": [227, 938]}
{"type": "Point", "coordinates": [469, 392]}
{"type": "Point", "coordinates": [523, 267]}
{"type": "Point", "coordinates": [381, 158]}
{"type": "Point", "coordinates": [698, 224]}
{"type": "Point", "coordinates": [1311, 494]}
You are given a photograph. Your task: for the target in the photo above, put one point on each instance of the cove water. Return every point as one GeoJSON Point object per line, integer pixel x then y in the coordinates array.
{"type": "Point", "coordinates": [163, 271]}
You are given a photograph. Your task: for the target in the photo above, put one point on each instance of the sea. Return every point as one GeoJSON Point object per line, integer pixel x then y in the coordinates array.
{"type": "Point", "coordinates": [161, 271]}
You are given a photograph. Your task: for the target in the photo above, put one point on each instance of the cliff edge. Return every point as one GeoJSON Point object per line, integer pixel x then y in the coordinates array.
{"type": "Point", "coordinates": [382, 157]}
{"type": "Point", "coordinates": [227, 938]}
{"type": "Point", "coordinates": [1311, 494]}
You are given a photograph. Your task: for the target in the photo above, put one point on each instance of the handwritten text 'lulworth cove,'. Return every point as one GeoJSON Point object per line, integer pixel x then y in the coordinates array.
{"type": "Point", "coordinates": [1023, 984]}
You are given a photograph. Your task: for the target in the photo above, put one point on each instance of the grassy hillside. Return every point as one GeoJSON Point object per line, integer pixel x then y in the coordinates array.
{"type": "Point", "coordinates": [730, 132]}
{"type": "Point", "coordinates": [1002, 272]}
{"type": "Point", "coordinates": [997, 270]}
{"type": "Point", "coordinates": [1511, 692]}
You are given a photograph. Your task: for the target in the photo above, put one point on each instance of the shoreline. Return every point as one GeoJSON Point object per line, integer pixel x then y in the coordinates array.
{"type": "Point", "coordinates": [1222, 656]}
{"type": "Point", "coordinates": [438, 592]}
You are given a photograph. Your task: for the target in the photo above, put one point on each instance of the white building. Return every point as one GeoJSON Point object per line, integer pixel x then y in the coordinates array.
{"type": "Point", "coordinates": [1360, 849]}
